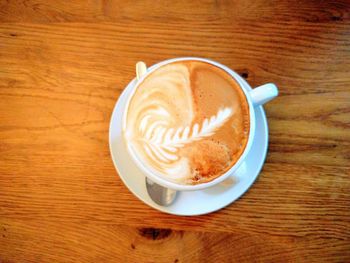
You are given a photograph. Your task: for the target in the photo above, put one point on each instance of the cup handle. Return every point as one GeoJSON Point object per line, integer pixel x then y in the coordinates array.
{"type": "Point", "coordinates": [263, 94]}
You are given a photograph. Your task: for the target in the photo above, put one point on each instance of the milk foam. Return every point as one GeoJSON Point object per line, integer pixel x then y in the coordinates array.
{"type": "Point", "coordinates": [166, 124]}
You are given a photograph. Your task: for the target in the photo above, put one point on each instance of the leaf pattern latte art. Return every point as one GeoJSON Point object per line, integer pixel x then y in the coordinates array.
{"type": "Point", "coordinates": [162, 143]}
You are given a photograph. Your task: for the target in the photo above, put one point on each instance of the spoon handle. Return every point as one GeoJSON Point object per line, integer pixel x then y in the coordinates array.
{"type": "Point", "coordinates": [141, 69]}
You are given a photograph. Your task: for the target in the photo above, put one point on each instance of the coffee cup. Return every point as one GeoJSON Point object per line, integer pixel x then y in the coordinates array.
{"type": "Point", "coordinates": [252, 98]}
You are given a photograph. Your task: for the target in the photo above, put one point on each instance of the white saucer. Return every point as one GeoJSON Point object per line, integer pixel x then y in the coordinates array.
{"type": "Point", "coordinates": [192, 202]}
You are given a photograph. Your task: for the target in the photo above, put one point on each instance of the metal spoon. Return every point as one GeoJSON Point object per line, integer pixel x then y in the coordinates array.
{"type": "Point", "coordinates": [159, 194]}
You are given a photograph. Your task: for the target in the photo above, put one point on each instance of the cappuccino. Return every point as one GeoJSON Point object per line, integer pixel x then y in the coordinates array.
{"type": "Point", "coordinates": [187, 122]}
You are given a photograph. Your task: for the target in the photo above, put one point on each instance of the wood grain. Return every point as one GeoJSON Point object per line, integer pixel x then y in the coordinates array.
{"type": "Point", "coordinates": [170, 11]}
{"type": "Point", "coordinates": [63, 66]}
{"type": "Point", "coordinates": [68, 243]}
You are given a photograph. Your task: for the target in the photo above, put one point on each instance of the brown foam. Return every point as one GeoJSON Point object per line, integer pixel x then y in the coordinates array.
{"type": "Point", "coordinates": [191, 92]}
{"type": "Point", "coordinates": [212, 88]}
{"type": "Point", "coordinates": [208, 160]}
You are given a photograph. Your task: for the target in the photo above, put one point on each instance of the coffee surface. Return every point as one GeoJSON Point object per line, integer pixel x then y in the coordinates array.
{"type": "Point", "coordinates": [187, 122]}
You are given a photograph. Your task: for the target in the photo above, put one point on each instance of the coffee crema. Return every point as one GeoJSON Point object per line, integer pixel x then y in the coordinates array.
{"type": "Point", "coordinates": [187, 122]}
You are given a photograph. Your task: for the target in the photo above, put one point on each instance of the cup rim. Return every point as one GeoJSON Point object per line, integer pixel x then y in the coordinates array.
{"type": "Point", "coordinates": [182, 187]}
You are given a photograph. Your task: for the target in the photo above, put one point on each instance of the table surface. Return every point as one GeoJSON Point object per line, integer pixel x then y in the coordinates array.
{"type": "Point", "coordinates": [63, 65]}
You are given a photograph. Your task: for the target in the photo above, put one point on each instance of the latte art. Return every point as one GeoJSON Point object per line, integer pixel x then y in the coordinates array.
{"type": "Point", "coordinates": [162, 144]}
{"type": "Point", "coordinates": [187, 122]}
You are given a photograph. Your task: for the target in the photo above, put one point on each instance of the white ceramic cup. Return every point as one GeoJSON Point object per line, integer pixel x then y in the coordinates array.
{"type": "Point", "coordinates": [255, 97]}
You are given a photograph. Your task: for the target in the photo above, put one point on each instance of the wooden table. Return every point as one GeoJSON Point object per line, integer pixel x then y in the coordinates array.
{"type": "Point", "coordinates": [63, 65]}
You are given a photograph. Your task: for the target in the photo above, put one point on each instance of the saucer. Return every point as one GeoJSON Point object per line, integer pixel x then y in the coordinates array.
{"type": "Point", "coordinates": [189, 203]}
